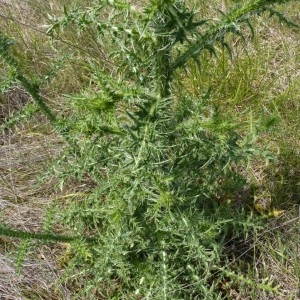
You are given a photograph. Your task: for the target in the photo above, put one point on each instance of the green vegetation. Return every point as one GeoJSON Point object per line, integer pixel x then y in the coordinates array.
{"type": "Point", "coordinates": [170, 140]}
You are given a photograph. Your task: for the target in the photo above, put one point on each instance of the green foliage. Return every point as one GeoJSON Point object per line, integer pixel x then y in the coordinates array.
{"type": "Point", "coordinates": [25, 113]}
{"type": "Point", "coordinates": [29, 86]}
{"type": "Point", "coordinates": [160, 162]}
{"type": "Point", "coordinates": [5, 231]}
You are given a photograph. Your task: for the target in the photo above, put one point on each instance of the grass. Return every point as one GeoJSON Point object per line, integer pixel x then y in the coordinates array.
{"type": "Point", "coordinates": [258, 89]}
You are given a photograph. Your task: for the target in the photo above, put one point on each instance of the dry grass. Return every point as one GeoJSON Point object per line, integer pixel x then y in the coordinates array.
{"type": "Point", "coordinates": [24, 154]}
{"type": "Point", "coordinates": [26, 150]}
{"type": "Point", "coordinates": [36, 279]}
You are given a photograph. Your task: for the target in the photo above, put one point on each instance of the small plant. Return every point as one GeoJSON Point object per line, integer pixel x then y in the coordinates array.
{"type": "Point", "coordinates": [160, 162]}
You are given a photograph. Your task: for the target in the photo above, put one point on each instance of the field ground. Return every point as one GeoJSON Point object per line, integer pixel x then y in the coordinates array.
{"type": "Point", "coordinates": [262, 84]}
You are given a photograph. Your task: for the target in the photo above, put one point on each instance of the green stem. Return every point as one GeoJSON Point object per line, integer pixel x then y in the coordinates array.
{"type": "Point", "coordinates": [163, 56]}
{"type": "Point", "coordinates": [33, 91]}
{"type": "Point", "coordinates": [4, 231]}
{"type": "Point", "coordinates": [218, 31]}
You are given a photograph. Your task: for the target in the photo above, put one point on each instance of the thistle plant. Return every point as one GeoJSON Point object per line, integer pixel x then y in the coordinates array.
{"type": "Point", "coordinates": [159, 162]}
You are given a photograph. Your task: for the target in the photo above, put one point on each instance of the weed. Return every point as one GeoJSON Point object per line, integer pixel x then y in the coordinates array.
{"type": "Point", "coordinates": [161, 156]}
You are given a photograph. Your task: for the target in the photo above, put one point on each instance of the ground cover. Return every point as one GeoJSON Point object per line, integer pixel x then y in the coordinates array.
{"type": "Point", "coordinates": [258, 89]}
